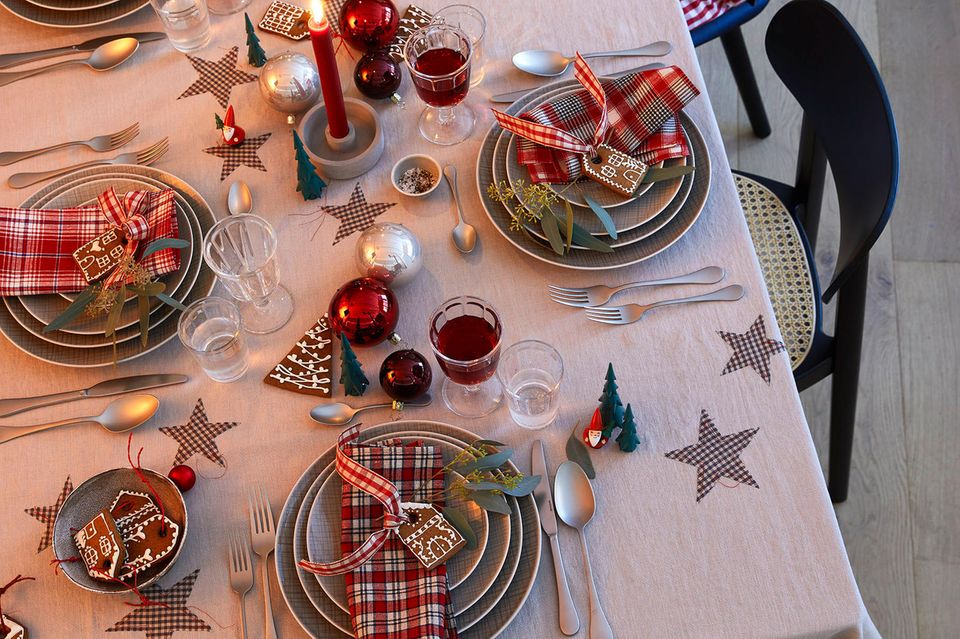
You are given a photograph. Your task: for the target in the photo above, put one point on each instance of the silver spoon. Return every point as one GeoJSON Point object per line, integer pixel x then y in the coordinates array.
{"type": "Point", "coordinates": [464, 235]}
{"type": "Point", "coordinates": [338, 414]}
{"type": "Point", "coordinates": [576, 506]}
{"type": "Point", "coordinates": [551, 63]}
{"type": "Point", "coordinates": [104, 57]}
{"type": "Point", "coordinates": [239, 199]}
{"type": "Point", "coordinates": [120, 415]}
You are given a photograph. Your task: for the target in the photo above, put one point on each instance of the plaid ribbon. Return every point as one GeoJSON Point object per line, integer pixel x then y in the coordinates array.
{"type": "Point", "coordinates": [640, 110]}
{"type": "Point", "coordinates": [128, 217]}
{"type": "Point", "coordinates": [37, 245]}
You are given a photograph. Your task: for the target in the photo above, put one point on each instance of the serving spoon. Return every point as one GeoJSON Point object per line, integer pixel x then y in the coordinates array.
{"type": "Point", "coordinates": [120, 415]}
{"type": "Point", "coordinates": [464, 235]}
{"type": "Point", "coordinates": [576, 505]}
{"type": "Point", "coordinates": [551, 63]}
{"type": "Point", "coordinates": [104, 57]}
{"type": "Point", "coordinates": [338, 414]}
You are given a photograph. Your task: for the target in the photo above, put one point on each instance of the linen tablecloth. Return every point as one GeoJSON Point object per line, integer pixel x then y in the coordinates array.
{"type": "Point", "coordinates": [764, 561]}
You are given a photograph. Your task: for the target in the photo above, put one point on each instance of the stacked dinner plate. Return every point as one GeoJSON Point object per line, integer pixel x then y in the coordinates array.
{"type": "Point", "coordinates": [489, 584]}
{"type": "Point", "coordinates": [82, 342]}
{"type": "Point", "coordinates": [70, 14]}
{"type": "Point", "coordinates": [656, 217]}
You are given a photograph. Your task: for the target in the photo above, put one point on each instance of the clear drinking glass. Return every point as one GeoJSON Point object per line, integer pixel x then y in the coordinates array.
{"type": "Point", "coordinates": [226, 7]}
{"type": "Point", "coordinates": [186, 23]}
{"type": "Point", "coordinates": [530, 372]}
{"type": "Point", "coordinates": [210, 328]}
{"type": "Point", "coordinates": [469, 20]}
{"type": "Point", "coordinates": [465, 334]}
{"type": "Point", "coordinates": [242, 251]}
{"type": "Point", "coordinates": [439, 57]}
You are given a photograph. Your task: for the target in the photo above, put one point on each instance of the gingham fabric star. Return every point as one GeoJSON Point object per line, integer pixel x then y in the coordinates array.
{"type": "Point", "coordinates": [357, 214]}
{"type": "Point", "coordinates": [160, 622]}
{"type": "Point", "coordinates": [716, 456]}
{"type": "Point", "coordinates": [752, 349]}
{"type": "Point", "coordinates": [197, 436]}
{"type": "Point", "coordinates": [244, 153]}
{"type": "Point", "coordinates": [46, 515]}
{"type": "Point", "coordinates": [218, 77]}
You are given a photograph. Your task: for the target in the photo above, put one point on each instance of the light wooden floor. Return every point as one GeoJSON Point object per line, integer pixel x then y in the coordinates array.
{"type": "Point", "coordinates": [901, 522]}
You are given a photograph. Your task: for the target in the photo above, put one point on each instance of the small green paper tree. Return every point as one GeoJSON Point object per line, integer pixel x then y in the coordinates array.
{"type": "Point", "coordinates": [628, 439]}
{"type": "Point", "coordinates": [611, 408]}
{"type": "Point", "coordinates": [308, 182]}
{"type": "Point", "coordinates": [351, 374]}
{"type": "Point", "coordinates": [256, 56]}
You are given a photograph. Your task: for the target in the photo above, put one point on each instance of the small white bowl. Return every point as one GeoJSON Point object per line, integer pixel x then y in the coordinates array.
{"type": "Point", "coordinates": [420, 161]}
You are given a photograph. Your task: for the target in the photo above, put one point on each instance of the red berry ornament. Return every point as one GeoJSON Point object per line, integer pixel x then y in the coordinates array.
{"type": "Point", "coordinates": [183, 477]}
{"type": "Point", "coordinates": [366, 311]}
{"type": "Point", "coordinates": [367, 25]}
{"type": "Point", "coordinates": [405, 375]}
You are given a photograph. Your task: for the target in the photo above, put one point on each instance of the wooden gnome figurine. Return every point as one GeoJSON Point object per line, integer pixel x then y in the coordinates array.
{"type": "Point", "coordinates": [232, 134]}
{"type": "Point", "coordinates": [608, 416]}
{"type": "Point", "coordinates": [593, 434]}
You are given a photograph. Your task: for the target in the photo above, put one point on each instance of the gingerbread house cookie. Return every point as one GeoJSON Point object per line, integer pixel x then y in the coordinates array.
{"type": "Point", "coordinates": [428, 535]}
{"type": "Point", "coordinates": [101, 546]}
{"type": "Point", "coordinates": [130, 506]}
{"type": "Point", "coordinates": [148, 542]}
{"type": "Point", "coordinates": [615, 170]}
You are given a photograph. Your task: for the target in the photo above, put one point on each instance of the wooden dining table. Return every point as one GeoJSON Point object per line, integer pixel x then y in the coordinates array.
{"type": "Point", "coordinates": [757, 558]}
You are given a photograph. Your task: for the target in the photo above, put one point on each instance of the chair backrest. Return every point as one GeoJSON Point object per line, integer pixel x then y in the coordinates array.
{"type": "Point", "coordinates": [823, 62]}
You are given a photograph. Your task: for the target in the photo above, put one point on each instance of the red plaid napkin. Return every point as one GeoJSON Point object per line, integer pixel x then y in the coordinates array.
{"type": "Point", "coordinates": [37, 245]}
{"type": "Point", "coordinates": [393, 595]}
{"type": "Point", "coordinates": [640, 109]}
{"type": "Point", "coordinates": [697, 12]}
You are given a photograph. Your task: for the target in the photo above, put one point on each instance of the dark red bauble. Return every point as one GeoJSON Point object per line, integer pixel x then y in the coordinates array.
{"type": "Point", "coordinates": [377, 75]}
{"type": "Point", "coordinates": [367, 25]}
{"type": "Point", "coordinates": [183, 477]}
{"type": "Point", "coordinates": [405, 375]}
{"type": "Point", "coordinates": [364, 310]}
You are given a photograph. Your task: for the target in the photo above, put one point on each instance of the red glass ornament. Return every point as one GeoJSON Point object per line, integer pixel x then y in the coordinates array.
{"type": "Point", "coordinates": [377, 75]}
{"type": "Point", "coordinates": [183, 477]}
{"type": "Point", "coordinates": [366, 311]}
{"type": "Point", "coordinates": [405, 375]}
{"type": "Point", "coordinates": [367, 25]}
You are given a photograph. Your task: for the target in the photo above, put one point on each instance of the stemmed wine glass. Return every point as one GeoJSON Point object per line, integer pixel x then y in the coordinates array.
{"type": "Point", "coordinates": [439, 57]}
{"type": "Point", "coordinates": [465, 335]}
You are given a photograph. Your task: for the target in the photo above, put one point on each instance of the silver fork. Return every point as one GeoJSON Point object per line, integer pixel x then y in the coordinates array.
{"type": "Point", "coordinates": [148, 155]}
{"type": "Point", "coordinates": [597, 295]}
{"type": "Point", "coordinates": [632, 312]}
{"type": "Point", "coordinates": [241, 575]}
{"type": "Point", "coordinates": [100, 144]}
{"type": "Point", "coordinates": [264, 541]}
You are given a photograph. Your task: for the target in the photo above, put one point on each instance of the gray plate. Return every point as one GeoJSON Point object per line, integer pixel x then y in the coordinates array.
{"type": "Point", "coordinates": [71, 5]}
{"type": "Point", "coordinates": [72, 19]}
{"type": "Point", "coordinates": [97, 493]}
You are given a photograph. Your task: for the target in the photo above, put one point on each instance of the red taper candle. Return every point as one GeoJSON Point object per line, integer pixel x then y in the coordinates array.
{"type": "Point", "coordinates": [321, 36]}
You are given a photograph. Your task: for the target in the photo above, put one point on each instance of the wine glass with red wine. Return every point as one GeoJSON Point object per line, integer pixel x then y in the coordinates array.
{"type": "Point", "coordinates": [439, 56]}
{"type": "Point", "coordinates": [465, 335]}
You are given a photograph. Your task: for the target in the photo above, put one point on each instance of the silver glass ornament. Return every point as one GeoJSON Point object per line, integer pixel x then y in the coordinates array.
{"type": "Point", "coordinates": [390, 253]}
{"type": "Point", "coordinates": [290, 83]}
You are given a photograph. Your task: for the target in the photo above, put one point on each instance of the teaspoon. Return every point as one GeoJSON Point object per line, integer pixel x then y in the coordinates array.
{"type": "Point", "coordinates": [120, 415]}
{"type": "Point", "coordinates": [338, 414]}
{"type": "Point", "coordinates": [464, 235]}
{"type": "Point", "coordinates": [551, 63]}
{"type": "Point", "coordinates": [104, 57]}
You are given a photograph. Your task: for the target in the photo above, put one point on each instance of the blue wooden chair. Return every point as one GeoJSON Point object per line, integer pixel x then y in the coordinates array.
{"type": "Point", "coordinates": [727, 28]}
{"type": "Point", "coordinates": [848, 123]}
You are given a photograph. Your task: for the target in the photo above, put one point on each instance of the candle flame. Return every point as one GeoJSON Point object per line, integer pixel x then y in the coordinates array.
{"type": "Point", "coordinates": [316, 11]}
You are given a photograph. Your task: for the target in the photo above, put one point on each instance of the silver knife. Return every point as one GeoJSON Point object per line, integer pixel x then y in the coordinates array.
{"type": "Point", "coordinates": [513, 96]}
{"type": "Point", "coordinates": [569, 620]}
{"type": "Point", "coordinates": [13, 59]}
{"type": "Point", "coordinates": [106, 388]}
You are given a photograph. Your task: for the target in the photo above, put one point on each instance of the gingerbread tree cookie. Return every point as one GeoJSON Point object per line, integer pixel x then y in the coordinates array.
{"type": "Point", "coordinates": [306, 368]}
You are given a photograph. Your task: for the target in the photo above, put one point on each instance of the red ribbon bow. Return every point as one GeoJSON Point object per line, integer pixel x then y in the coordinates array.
{"type": "Point", "coordinates": [554, 137]}
{"type": "Point", "coordinates": [131, 221]}
{"type": "Point", "coordinates": [377, 486]}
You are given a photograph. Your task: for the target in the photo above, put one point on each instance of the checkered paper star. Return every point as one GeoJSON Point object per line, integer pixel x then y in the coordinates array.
{"type": "Point", "coordinates": [160, 622]}
{"type": "Point", "coordinates": [198, 435]}
{"type": "Point", "coordinates": [244, 153]}
{"type": "Point", "coordinates": [46, 515]}
{"type": "Point", "coordinates": [752, 349]}
{"type": "Point", "coordinates": [357, 214]}
{"type": "Point", "coordinates": [218, 77]}
{"type": "Point", "coordinates": [716, 456]}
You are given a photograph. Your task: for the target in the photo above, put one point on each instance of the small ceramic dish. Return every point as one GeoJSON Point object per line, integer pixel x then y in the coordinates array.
{"type": "Point", "coordinates": [97, 493]}
{"type": "Point", "coordinates": [416, 161]}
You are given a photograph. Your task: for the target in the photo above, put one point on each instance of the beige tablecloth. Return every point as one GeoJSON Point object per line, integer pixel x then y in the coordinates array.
{"type": "Point", "coordinates": [743, 562]}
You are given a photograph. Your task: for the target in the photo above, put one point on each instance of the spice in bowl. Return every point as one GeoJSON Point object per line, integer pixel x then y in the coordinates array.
{"type": "Point", "coordinates": [416, 180]}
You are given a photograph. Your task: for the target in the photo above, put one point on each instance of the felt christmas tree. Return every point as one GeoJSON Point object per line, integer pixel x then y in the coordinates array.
{"type": "Point", "coordinates": [628, 439]}
{"type": "Point", "coordinates": [256, 56]}
{"type": "Point", "coordinates": [351, 374]}
{"type": "Point", "coordinates": [308, 182]}
{"type": "Point", "coordinates": [611, 408]}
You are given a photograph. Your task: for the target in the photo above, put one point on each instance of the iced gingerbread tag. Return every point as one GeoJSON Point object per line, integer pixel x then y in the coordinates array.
{"type": "Point", "coordinates": [428, 535]}
{"type": "Point", "coordinates": [615, 170]}
{"type": "Point", "coordinates": [100, 255]}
